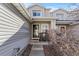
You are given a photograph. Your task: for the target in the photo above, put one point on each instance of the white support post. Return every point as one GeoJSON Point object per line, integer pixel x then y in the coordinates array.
{"type": "Point", "coordinates": [53, 24]}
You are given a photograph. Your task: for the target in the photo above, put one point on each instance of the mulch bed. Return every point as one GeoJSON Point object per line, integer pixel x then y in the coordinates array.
{"type": "Point", "coordinates": [27, 50]}
{"type": "Point", "coordinates": [49, 50]}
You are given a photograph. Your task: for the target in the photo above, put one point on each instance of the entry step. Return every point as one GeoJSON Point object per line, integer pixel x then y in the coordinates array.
{"type": "Point", "coordinates": [39, 43]}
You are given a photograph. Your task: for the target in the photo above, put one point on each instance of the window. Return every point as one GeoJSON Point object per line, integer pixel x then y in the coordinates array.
{"type": "Point", "coordinates": [44, 27]}
{"type": "Point", "coordinates": [36, 13]}
{"type": "Point", "coordinates": [60, 16]}
{"type": "Point", "coordinates": [62, 29]}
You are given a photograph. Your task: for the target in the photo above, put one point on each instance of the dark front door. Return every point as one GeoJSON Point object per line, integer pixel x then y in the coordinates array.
{"type": "Point", "coordinates": [35, 30]}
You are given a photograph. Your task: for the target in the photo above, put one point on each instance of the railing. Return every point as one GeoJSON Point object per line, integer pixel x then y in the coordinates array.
{"type": "Point", "coordinates": [44, 36]}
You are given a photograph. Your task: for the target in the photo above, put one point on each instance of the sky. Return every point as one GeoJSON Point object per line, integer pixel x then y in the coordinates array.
{"type": "Point", "coordinates": [66, 6]}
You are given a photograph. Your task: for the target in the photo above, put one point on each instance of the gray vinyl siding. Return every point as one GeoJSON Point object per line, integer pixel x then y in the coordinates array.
{"type": "Point", "coordinates": [14, 30]}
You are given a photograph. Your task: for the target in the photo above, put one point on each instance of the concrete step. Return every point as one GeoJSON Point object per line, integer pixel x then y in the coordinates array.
{"type": "Point", "coordinates": [39, 43]}
{"type": "Point", "coordinates": [37, 48]}
{"type": "Point", "coordinates": [34, 41]}
{"type": "Point", "coordinates": [37, 53]}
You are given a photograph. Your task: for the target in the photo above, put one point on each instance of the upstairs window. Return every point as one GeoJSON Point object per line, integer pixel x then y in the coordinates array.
{"type": "Point", "coordinates": [60, 16]}
{"type": "Point", "coordinates": [36, 13]}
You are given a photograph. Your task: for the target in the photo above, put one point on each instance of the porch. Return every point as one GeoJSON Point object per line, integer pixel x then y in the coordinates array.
{"type": "Point", "coordinates": [41, 27]}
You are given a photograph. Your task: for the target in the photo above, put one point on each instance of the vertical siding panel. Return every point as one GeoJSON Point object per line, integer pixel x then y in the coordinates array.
{"type": "Point", "coordinates": [14, 31]}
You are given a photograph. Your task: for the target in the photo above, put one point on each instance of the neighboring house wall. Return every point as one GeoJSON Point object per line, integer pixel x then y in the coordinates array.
{"type": "Point", "coordinates": [59, 14]}
{"type": "Point", "coordinates": [46, 12]}
{"type": "Point", "coordinates": [73, 15]}
{"type": "Point", "coordinates": [14, 30]}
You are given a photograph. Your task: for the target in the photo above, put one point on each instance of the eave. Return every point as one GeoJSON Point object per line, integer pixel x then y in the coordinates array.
{"type": "Point", "coordinates": [67, 22]}
{"type": "Point", "coordinates": [23, 11]}
{"type": "Point", "coordinates": [43, 18]}
{"type": "Point", "coordinates": [75, 22]}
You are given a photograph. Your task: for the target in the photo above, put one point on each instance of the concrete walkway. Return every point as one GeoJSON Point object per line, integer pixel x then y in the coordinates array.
{"type": "Point", "coordinates": [37, 50]}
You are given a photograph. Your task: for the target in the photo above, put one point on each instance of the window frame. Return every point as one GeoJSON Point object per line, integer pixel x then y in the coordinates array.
{"type": "Point", "coordinates": [38, 13]}
{"type": "Point", "coordinates": [60, 16]}
{"type": "Point", "coordinates": [64, 27]}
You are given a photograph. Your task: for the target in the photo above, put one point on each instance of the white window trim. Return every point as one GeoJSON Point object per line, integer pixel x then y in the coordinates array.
{"type": "Point", "coordinates": [62, 26]}
{"type": "Point", "coordinates": [36, 11]}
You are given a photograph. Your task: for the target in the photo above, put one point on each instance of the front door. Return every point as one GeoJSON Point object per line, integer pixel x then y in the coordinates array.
{"type": "Point", "coordinates": [35, 30]}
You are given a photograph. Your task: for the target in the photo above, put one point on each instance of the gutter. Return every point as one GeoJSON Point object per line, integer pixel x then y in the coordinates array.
{"type": "Point", "coordinates": [75, 23]}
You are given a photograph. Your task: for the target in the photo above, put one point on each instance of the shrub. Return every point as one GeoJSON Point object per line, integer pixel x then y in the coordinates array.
{"type": "Point", "coordinates": [64, 43]}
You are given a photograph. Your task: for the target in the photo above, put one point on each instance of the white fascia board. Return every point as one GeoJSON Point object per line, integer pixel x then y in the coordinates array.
{"type": "Point", "coordinates": [63, 22]}
{"type": "Point", "coordinates": [74, 23]}
{"type": "Point", "coordinates": [49, 18]}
